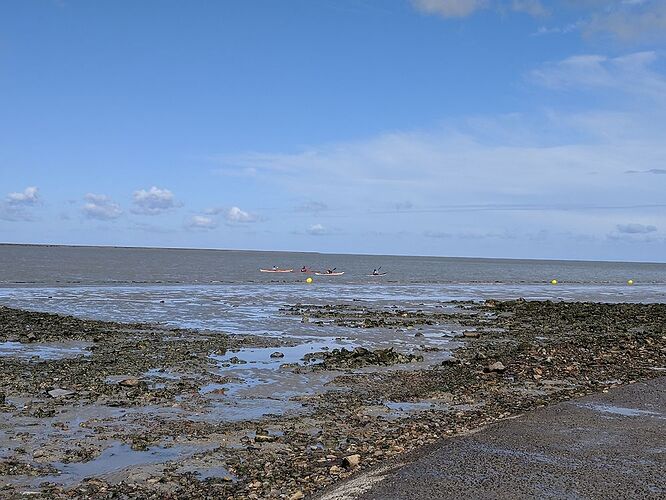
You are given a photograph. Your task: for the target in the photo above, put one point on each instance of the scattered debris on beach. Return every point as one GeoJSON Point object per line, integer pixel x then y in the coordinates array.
{"type": "Point", "coordinates": [143, 414]}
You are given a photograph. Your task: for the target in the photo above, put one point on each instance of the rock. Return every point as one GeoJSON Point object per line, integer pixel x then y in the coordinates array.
{"type": "Point", "coordinates": [277, 354]}
{"type": "Point", "coordinates": [31, 337]}
{"type": "Point", "coordinates": [471, 335]}
{"type": "Point", "coordinates": [497, 366]}
{"type": "Point", "coordinates": [335, 470]}
{"type": "Point", "coordinates": [38, 453]}
{"type": "Point", "coordinates": [418, 334]}
{"type": "Point", "coordinates": [297, 496]}
{"type": "Point", "coordinates": [236, 361]}
{"type": "Point", "coordinates": [60, 393]}
{"type": "Point", "coordinates": [129, 382]}
{"type": "Point", "coordinates": [351, 461]}
{"type": "Point", "coordinates": [261, 438]}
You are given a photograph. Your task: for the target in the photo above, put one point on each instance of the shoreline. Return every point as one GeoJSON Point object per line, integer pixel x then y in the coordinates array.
{"type": "Point", "coordinates": [366, 406]}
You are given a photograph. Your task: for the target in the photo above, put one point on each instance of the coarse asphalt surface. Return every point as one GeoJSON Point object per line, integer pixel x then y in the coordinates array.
{"type": "Point", "coordinates": [607, 445]}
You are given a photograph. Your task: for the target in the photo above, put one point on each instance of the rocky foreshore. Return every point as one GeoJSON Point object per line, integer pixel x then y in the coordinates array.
{"type": "Point", "coordinates": [146, 396]}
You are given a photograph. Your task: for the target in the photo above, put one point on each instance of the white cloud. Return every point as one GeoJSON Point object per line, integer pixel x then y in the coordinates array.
{"type": "Point", "coordinates": [29, 196]}
{"type": "Point", "coordinates": [100, 207]}
{"type": "Point", "coordinates": [153, 201]}
{"type": "Point", "coordinates": [235, 214]}
{"type": "Point", "coordinates": [16, 206]}
{"type": "Point", "coordinates": [317, 230]}
{"type": "Point", "coordinates": [635, 228]}
{"type": "Point", "coordinates": [201, 222]}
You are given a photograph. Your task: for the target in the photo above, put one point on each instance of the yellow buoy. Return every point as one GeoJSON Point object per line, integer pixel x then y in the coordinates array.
{"type": "Point", "coordinates": [553, 282]}
{"type": "Point", "coordinates": [309, 280]}
{"type": "Point", "coordinates": [630, 282]}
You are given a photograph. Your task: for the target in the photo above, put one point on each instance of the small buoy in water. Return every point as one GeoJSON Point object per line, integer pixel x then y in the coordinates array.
{"type": "Point", "coordinates": [630, 282]}
{"type": "Point", "coordinates": [553, 282]}
{"type": "Point", "coordinates": [308, 280]}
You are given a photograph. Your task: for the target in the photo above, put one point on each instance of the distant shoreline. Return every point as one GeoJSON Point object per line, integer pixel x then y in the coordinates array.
{"type": "Point", "coordinates": [351, 254]}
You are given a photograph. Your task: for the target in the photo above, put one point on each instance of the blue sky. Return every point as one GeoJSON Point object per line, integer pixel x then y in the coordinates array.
{"type": "Point", "coordinates": [516, 128]}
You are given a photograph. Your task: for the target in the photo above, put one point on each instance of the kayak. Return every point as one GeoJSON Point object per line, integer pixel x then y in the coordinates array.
{"type": "Point", "coordinates": [276, 270]}
{"type": "Point", "coordinates": [340, 273]}
{"type": "Point", "coordinates": [378, 274]}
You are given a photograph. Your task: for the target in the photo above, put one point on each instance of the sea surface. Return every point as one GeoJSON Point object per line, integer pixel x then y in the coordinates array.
{"type": "Point", "coordinates": [224, 290]}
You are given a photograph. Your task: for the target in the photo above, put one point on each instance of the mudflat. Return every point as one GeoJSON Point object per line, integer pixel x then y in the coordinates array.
{"type": "Point", "coordinates": [91, 408]}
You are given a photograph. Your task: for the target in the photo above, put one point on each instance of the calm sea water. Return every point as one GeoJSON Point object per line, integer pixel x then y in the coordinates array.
{"type": "Point", "coordinates": [54, 265]}
{"type": "Point", "coordinates": [224, 290]}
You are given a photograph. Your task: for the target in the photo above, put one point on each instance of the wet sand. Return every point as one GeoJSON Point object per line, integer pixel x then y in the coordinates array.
{"type": "Point", "coordinates": [94, 408]}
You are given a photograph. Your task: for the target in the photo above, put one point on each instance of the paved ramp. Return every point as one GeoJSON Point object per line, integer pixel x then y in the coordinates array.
{"type": "Point", "coordinates": [609, 445]}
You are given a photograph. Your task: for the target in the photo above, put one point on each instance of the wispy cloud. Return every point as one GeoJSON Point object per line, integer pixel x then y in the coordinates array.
{"type": "Point", "coordinates": [465, 8]}
{"type": "Point", "coordinates": [656, 171]}
{"type": "Point", "coordinates": [317, 230]}
{"type": "Point", "coordinates": [630, 21]}
{"type": "Point", "coordinates": [635, 228]}
{"type": "Point", "coordinates": [450, 8]}
{"type": "Point", "coordinates": [567, 167]}
{"type": "Point", "coordinates": [100, 207]}
{"type": "Point", "coordinates": [201, 222]}
{"type": "Point", "coordinates": [312, 207]}
{"type": "Point", "coordinates": [153, 201]}
{"type": "Point", "coordinates": [632, 74]}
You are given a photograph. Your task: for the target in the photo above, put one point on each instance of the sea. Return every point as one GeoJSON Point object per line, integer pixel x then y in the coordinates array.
{"type": "Point", "coordinates": [223, 290]}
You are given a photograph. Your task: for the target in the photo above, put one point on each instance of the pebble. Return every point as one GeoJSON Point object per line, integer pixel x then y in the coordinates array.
{"type": "Point", "coordinates": [129, 382]}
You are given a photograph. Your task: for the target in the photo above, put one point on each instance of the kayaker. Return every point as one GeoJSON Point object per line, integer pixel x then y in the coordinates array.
{"type": "Point", "coordinates": [375, 272]}
{"type": "Point", "coordinates": [275, 268]}
{"type": "Point", "coordinates": [304, 269]}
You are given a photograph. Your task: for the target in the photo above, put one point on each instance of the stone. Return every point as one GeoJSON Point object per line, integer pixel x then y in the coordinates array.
{"type": "Point", "coordinates": [497, 366]}
{"type": "Point", "coordinates": [277, 354]}
{"type": "Point", "coordinates": [297, 496]}
{"type": "Point", "coordinates": [335, 470]}
{"type": "Point", "coordinates": [351, 461]}
{"type": "Point", "coordinates": [471, 335]}
{"type": "Point", "coordinates": [60, 393]}
{"type": "Point", "coordinates": [129, 382]}
{"type": "Point", "coordinates": [261, 438]}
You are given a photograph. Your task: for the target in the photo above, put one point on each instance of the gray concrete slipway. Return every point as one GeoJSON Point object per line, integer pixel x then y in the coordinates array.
{"type": "Point", "coordinates": [609, 445]}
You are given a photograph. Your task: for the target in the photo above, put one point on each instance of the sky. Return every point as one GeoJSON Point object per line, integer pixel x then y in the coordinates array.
{"type": "Point", "coordinates": [481, 128]}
